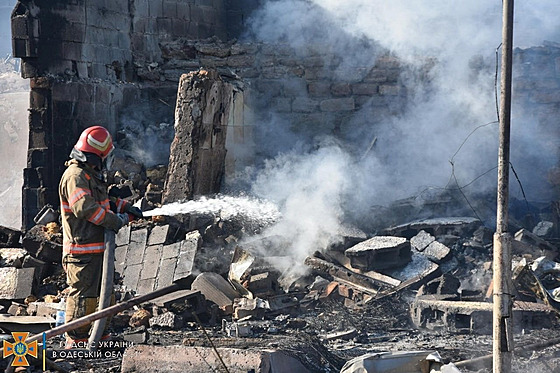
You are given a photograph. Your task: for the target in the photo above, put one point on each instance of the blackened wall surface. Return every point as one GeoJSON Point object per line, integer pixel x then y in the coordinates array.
{"type": "Point", "coordinates": [102, 39]}
{"type": "Point", "coordinates": [91, 60]}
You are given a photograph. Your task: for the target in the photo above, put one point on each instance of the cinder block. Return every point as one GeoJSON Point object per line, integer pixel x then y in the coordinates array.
{"type": "Point", "coordinates": [422, 240]}
{"type": "Point", "coordinates": [380, 252]}
{"type": "Point", "coordinates": [183, 10]}
{"type": "Point", "coordinates": [16, 283]}
{"type": "Point", "coordinates": [136, 246]}
{"type": "Point", "coordinates": [145, 286]}
{"type": "Point", "coordinates": [158, 235]}
{"type": "Point", "coordinates": [131, 276]}
{"type": "Point", "coordinates": [155, 8]}
{"type": "Point", "coordinates": [144, 359]}
{"type": "Point", "coordinates": [182, 300]}
{"type": "Point", "coordinates": [167, 320]}
{"type": "Point", "coordinates": [170, 8]}
{"type": "Point", "coordinates": [304, 105]}
{"type": "Point", "coordinates": [123, 236]}
{"type": "Point", "coordinates": [185, 261]}
{"type": "Point", "coordinates": [389, 90]}
{"type": "Point", "coordinates": [150, 266]}
{"type": "Point", "coordinates": [437, 252]}
{"type": "Point", "coordinates": [120, 258]}
{"type": "Point", "coordinates": [319, 89]}
{"type": "Point", "coordinates": [215, 289]}
{"type": "Point", "coordinates": [368, 89]}
{"type": "Point", "coordinates": [171, 251]}
{"type": "Point", "coordinates": [338, 104]}
{"type": "Point", "coordinates": [166, 273]}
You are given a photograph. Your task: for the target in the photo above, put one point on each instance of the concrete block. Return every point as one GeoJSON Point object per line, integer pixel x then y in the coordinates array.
{"type": "Point", "coordinates": [368, 89]}
{"type": "Point", "coordinates": [261, 283]}
{"type": "Point", "coordinates": [120, 258]}
{"type": "Point", "coordinates": [44, 309]}
{"type": "Point", "coordinates": [338, 104]}
{"type": "Point", "coordinates": [123, 236]}
{"type": "Point", "coordinates": [150, 266]}
{"type": "Point", "coordinates": [136, 247]}
{"type": "Point", "coordinates": [544, 229]}
{"type": "Point", "coordinates": [145, 286]}
{"type": "Point", "coordinates": [12, 257]}
{"type": "Point", "coordinates": [171, 251]}
{"type": "Point", "coordinates": [16, 283]}
{"type": "Point", "coordinates": [241, 61]}
{"type": "Point", "coordinates": [9, 237]}
{"type": "Point", "coordinates": [243, 307]}
{"type": "Point", "coordinates": [136, 336]}
{"type": "Point", "coordinates": [167, 320]}
{"type": "Point", "coordinates": [39, 266]}
{"type": "Point", "coordinates": [158, 235]}
{"type": "Point", "coordinates": [183, 300]}
{"type": "Point", "coordinates": [319, 89]}
{"type": "Point", "coordinates": [389, 90]}
{"type": "Point", "coordinates": [437, 252]}
{"type": "Point", "coordinates": [525, 236]}
{"type": "Point", "coordinates": [341, 89]}
{"type": "Point", "coordinates": [147, 359]}
{"type": "Point", "coordinates": [155, 8]}
{"type": "Point", "coordinates": [422, 240]}
{"type": "Point", "coordinates": [185, 261]}
{"type": "Point", "coordinates": [476, 317]}
{"type": "Point", "coordinates": [380, 252]}
{"type": "Point", "coordinates": [215, 289]}
{"type": "Point", "coordinates": [166, 272]}
{"type": "Point", "coordinates": [419, 271]}
{"type": "Point", "coordinates": [304, 105]}
{"type": "Point", "coordinates": [457, 226]}
{"type": "Point", "coordinates": [170, 8]}
{"type": "Point", "coordinates": [131, 276]}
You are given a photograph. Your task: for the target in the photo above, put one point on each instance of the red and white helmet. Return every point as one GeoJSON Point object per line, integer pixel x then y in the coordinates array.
{"type": "Point", "coordinates": [96, 140]}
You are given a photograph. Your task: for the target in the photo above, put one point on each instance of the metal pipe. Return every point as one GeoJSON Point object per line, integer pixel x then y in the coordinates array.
{"type": "Point", "coordinates": [106, 288]}
{"type": "Point", "coordinates": [181, 284]}
{"type": "Point", "coordinates": [502, 309]}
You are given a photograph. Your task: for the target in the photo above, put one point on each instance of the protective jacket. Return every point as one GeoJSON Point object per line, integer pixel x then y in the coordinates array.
{"type": "Point", "coordinates": [86, 209]}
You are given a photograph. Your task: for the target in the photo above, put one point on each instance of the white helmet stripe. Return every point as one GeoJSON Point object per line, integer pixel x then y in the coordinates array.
{"type": "Point", "coordinates": [101, 146]}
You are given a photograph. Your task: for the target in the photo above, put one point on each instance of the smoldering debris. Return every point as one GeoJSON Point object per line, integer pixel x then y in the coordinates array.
{"type": "Point", "coordinates": [338, 310]}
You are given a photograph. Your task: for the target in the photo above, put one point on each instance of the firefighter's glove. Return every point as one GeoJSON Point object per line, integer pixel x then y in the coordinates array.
{"type": "Point", "coordinates": [123, 220]}
{"type": "Point", "coordinates": [134, 211]}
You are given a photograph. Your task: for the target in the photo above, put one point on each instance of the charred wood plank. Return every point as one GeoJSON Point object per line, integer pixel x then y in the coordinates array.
{"type": "Point", "coordinates": [337, 273]}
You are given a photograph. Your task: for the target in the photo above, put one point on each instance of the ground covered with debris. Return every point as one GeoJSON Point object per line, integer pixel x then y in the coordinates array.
{"type": "Point", "coordinates": [420, 286]}
{"type": "Point", "coordinates": [227, 287]}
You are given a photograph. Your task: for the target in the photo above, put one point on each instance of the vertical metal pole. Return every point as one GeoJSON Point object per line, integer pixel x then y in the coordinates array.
{"type": "Point", "coordinates": [502, 315]}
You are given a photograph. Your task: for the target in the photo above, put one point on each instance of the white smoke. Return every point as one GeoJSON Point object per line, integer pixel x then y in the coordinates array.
{"type": "Point", "coordinates": [309, 191]}
{"type": "Point", "coordinates": [447, 137]}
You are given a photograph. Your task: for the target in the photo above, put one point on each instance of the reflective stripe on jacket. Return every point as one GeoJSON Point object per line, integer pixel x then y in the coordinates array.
{"type": "Point", "coordinates": [85, 210]}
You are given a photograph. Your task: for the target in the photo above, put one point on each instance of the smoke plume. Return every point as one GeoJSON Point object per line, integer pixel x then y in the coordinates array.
{"type": "Point", "coordinates": [446, 137]}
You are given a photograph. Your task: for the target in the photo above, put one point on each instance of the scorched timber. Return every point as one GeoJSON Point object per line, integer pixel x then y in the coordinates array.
{"type": "Point", "coordinates": [340, 274]}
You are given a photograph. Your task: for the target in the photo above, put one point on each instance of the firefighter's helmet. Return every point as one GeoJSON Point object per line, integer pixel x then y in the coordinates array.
{"type": "Point", "coordinates": [96, 140]}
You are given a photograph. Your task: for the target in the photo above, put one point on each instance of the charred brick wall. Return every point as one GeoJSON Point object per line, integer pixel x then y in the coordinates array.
{"type": "Point", "coordinates": [537, 86]}
{"type": "Point", "coordinates": [80, 56]}
{"type": "Point", "coordinates": [89, 60]}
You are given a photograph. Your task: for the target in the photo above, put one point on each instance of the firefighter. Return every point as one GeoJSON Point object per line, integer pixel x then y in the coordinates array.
{"type": "Point", "coordinates": [87, 210]}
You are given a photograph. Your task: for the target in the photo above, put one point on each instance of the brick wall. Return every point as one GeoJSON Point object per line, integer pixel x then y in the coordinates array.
{"type": "Point", "coordinates": [91, 60]}
{"type": "Point", "coordinates": [103, 39]}
{"type": "Point", "coordinates": [537, 86]}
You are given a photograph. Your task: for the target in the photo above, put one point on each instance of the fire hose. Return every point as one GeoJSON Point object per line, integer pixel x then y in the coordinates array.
{"type": "Point", "coordinates": [106, 293]}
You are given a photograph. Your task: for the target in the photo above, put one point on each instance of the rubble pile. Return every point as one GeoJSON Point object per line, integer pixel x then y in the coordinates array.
{"type": "Point", "coordinates": [421, 286]}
